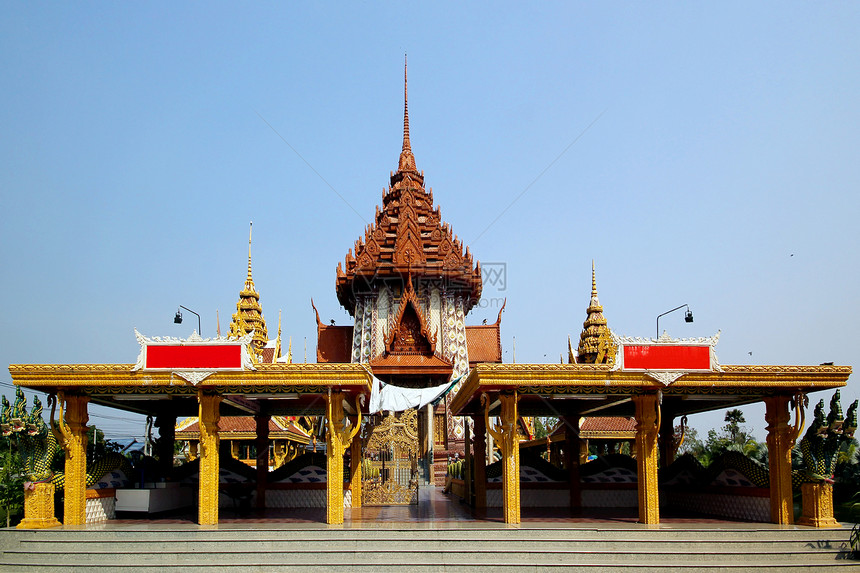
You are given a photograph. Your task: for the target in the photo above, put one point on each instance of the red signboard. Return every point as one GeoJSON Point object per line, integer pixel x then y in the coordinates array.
{"type": "Point", "coordinates": [193, 356]}
{"type": "Point", "coordinates": [667, 357]}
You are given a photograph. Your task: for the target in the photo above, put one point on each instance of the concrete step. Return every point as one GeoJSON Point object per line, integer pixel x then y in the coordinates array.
{"type": "Point", "coordinates": [458, 531]}
{"type": "Point", "coordinates": [461, 547]}
{"type": "Point", "coordinates": [538, 541]}
{"type": "Point", "coordinates": [414, 553]}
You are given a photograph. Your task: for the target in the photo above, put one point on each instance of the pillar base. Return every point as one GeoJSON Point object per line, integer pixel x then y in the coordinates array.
{"type": "Point", "coordinates": [817, 505]}
{"type": "Point", "coordinates": [39, 508]}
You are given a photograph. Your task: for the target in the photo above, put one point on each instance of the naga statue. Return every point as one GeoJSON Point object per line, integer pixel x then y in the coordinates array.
{"type": "Point", "coordinates": [5, 418]}
{"type": "Point", "coordinates": [30, 434]}
{"type": "Point", "coordinates": [825, 439]}
{"type": "Point", "coordinates": [39, 443]}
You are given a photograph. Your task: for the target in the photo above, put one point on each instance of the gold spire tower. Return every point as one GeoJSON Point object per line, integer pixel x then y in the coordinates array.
{"type": "Point", "coordinates": [249, 314]}
{"type": "Point", "coordinates": [593, 329]}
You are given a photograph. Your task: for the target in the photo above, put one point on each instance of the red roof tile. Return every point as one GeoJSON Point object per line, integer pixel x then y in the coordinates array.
{"type": "Point", "coordinates": [268, 355]}
{"type": "Point", "coordinates": [232, 425]}
{"type": "Point", "coordinates": [334, 343]}
{"type": "Point", "coordinates": [607, 425]}
{"type": "Point", "coordinates": [484, 343]}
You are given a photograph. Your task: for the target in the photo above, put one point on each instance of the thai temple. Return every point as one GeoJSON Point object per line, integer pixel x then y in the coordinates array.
{"type": "Point", "coordinates": [409, 396]}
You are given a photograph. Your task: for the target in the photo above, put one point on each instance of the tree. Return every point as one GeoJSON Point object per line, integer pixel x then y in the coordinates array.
{"type": "Point", "coordinates": [11, 483]}
{"type": "Point", "coordinates": [732, 436]}
{"type": "Point", "coordinates": [736, 433]}
{"type": "Point", "coordinates": [543, 426]}
{"type": "Point", "coordinates": [691, 443]}
{"type": "Point", "coordinates": [98, 446]}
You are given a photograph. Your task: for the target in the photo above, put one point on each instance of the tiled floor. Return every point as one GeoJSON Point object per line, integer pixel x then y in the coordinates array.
{"type": "Point", "coordinates": [433, 507]}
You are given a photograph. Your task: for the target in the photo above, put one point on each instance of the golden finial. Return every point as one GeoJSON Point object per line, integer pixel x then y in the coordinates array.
{"type": "Point", "coordinates": [593, 281]}
{"type": "Point", "coordinates": [250, 231]}
{"type": "Point", "coordinates": [290, 352]}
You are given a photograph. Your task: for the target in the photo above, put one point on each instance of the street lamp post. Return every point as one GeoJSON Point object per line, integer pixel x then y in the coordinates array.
{"type": "Point", "coordinates": [688, 316]}
{"type": "Point", "coordinates": [178, 318]}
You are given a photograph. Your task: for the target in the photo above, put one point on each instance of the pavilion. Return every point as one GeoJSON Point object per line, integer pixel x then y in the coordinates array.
{"type": "Point", "coordinates": [409, 285]}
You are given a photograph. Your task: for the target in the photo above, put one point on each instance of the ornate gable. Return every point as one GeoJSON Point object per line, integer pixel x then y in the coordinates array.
{"type": "Point", "coordinates": [410, 334]}
{"type": "Point", "coordinates": [409, 347]}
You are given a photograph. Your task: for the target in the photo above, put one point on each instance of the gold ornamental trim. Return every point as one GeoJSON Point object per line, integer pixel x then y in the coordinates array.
{"type": "Point", "coordinates": [599, 378]}
{"type": "Point", "coordinates": [266, 378]}
{"type": "Point", "coordinates": [607, 435]}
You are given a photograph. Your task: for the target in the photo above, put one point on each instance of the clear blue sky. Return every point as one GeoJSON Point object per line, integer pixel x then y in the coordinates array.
{"type": "Point", "coordinates": [716, 171]}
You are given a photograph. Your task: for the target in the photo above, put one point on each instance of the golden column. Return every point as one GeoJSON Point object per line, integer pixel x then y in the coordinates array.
{"type": "Point", "coordinates": [75, 437]}
{"type": "Point", "coordinates": [780, 439]}
{"type": "Point", "coordinates": [355, 472]}
{"type": "Point", "coordinates": [209, 462]}
{"type": "Point", "coordinates": [647, 425]}
{"type": "Point", "coordinates": [338, 437]}
{"type": "Point", "coordinates": [508, 440]}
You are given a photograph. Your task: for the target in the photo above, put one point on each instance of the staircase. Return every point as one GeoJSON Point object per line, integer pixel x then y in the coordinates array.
{"type": "Point", "coordinates": [440, 466]}
{"type": "Point", "coordinates": [467, 546]}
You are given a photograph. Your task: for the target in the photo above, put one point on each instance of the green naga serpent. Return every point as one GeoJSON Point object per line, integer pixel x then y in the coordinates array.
{"type": "Point", "coordinates": [825, 439]}
{"type": "Point", "coordinates": [39, 444]}
{"type": "Point", "coordinates": [29, 432]}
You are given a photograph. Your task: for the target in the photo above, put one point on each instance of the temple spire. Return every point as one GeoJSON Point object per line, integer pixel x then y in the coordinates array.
{"type": "Point", "coordinates": [594, 301]}
{"type": "Point", "coordinates": [407, 160]}
{"type": "Point", "coordinates": [249, 280]}
{"type": "Point", "coordinates": [593, 328]}
{"type": "Point", "coordinates": [249, 314]}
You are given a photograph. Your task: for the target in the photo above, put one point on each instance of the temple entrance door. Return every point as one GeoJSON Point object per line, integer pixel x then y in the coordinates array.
{"type": "Point", "coordinates": [390, 464]}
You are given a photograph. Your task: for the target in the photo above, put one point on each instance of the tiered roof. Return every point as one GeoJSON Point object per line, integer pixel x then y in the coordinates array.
{"type": "Point", "coordinates": [249, 314]}
{"type": "Point", "coordinates": [407, 236]}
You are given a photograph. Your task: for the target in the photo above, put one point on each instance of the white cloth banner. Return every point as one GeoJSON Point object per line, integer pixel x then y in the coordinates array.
{"type": "Point", "coordinates": [396, 399]}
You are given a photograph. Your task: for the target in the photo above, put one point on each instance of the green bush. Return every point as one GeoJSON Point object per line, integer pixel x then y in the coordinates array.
{"type": "Point", "coordinates": [11, 485]}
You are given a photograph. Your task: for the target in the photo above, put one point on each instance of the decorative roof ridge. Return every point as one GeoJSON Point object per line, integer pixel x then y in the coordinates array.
{"type": "Point", "coordinates": [277, 353]}
{"type": "Point", "coordinates": [571, 357]}
{"type": "Point", "coordinates": [666, 339]}
{"type": "Point", "coordinates": [501, 310]}
{"type": "Point", "coordinates": [317, 313]}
